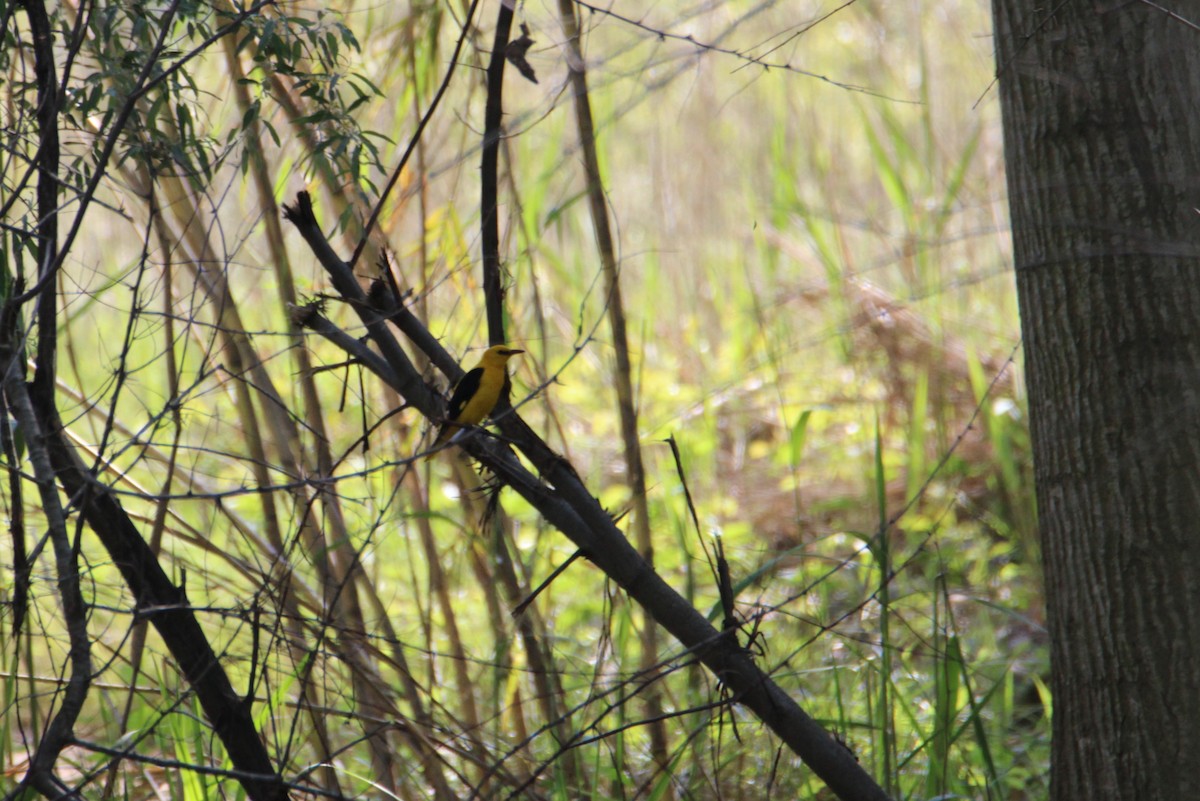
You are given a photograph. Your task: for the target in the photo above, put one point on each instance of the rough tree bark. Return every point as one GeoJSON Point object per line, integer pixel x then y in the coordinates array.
{"type": "Point", "coordinates": [1101, 121]}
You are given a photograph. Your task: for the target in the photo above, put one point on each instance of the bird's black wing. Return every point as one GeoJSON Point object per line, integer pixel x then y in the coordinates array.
{"type": "Point", "coordinates": [465, 390]}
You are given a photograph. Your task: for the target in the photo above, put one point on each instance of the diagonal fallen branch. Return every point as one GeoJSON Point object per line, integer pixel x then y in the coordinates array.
{"type": "Point", "coordinates": [561, 497]}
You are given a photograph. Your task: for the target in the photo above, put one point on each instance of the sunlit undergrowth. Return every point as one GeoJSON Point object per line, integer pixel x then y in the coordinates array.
{"type": "Point", "coordinates": [814, 263]}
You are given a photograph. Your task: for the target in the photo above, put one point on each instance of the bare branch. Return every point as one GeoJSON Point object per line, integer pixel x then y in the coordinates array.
{"type": "Point", "coordinates": [566, 503]}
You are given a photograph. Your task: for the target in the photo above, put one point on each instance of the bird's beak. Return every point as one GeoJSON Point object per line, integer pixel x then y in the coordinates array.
{"type": "Point", "coordinates": [513, 352]}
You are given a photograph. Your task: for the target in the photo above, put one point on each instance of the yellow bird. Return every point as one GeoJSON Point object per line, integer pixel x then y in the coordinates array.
{"type": "Point", "coordinates": [477, 393]}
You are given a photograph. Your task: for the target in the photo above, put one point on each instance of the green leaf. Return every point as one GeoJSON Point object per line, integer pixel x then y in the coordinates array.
{"type": "Point", "coordinates": [798, 436]}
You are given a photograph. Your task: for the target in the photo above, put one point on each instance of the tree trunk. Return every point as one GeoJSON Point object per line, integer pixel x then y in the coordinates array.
{"type": "Point", "coordinates": [1101, 105]}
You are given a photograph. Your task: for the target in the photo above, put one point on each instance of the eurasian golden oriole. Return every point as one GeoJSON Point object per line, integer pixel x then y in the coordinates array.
{"type": "Point", "coordinates": [477, 393]}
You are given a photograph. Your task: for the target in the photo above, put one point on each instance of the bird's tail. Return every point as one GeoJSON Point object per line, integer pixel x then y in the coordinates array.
{"type": "Point", "coordinates": [447, 431]}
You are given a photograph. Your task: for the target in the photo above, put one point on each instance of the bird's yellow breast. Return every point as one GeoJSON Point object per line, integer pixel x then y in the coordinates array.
{"type": "Point", "coordinates": [480, 405]}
